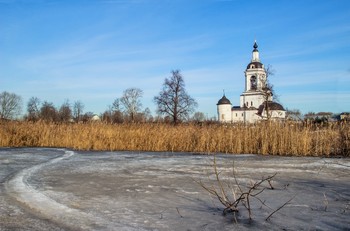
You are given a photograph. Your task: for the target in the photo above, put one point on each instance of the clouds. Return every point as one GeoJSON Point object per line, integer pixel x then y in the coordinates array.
{"type": "Point", "coordinates": [102, 67]}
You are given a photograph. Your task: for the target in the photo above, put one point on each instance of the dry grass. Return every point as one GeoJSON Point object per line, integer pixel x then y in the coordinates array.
{"type": "Point", "coordinates": [264, 138]}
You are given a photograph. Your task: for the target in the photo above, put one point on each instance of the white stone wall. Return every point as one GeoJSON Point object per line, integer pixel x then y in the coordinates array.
{"type": "Point", "coordinates": [225, 113]}
{"type": "Point", "coordinates": [251, 100]}
{"type": "Point", "coordinates": [250, 116]}
{"type": "Point", "coordinates": [237, 116]}
{"type": "Point", "coordinates": [278, 114]}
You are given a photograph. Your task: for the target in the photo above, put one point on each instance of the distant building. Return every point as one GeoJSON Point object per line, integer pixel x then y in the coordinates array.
{"type": "Point", "coordinates": [255, 102]}
{"type": "Point", "coordinates": [345, 116]}
{"type": "Point", "coordinates": [95, 118]}
{"type": "Point", "coordinates": [320, 117]}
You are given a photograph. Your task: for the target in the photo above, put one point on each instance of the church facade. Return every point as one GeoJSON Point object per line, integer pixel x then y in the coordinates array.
{"type": "Point", "coordinates": [256, 101]}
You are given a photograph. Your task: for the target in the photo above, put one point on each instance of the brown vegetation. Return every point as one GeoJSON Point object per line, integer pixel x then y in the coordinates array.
{"type": "Point", "coordinates": [263, 138]}
{"type": "Point", "coordinates": [234, 195]}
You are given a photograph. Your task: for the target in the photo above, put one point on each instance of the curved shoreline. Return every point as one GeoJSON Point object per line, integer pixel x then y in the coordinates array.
{"type": "Point", "coordinates": [18, 188]}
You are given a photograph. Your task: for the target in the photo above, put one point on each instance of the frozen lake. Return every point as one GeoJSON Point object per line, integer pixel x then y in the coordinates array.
{"type": "Point", "coordinates": [58, 189]}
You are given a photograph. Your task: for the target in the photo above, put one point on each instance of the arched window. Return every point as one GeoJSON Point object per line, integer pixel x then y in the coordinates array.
{"type": "Point", "coordinates": [253, 83]}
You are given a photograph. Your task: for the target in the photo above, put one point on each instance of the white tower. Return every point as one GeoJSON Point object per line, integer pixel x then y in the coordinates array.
{"type": "Point", "coordinates": [255, 80]}
{"type": "Point", "coordinates": [224, 109]}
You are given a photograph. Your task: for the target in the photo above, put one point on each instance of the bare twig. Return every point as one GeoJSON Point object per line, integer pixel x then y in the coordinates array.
{"type": "Point", "coordinates": [325, 202]}
{"type": "Point", "coordinates": [235, 178]}
{"type": "Point", "coordinates": [177, 209]}
{"type": "Point", "coordinates": [279, 208]}
{"type": "Point", "coordinates": [232, 196]}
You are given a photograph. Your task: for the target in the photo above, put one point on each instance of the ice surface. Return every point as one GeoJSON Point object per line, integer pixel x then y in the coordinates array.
{"type": "Point", "coordinates": [62, 189]}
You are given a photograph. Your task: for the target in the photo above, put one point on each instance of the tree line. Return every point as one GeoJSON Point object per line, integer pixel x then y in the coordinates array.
{"type": "Point", "coordinates": [173, 103]}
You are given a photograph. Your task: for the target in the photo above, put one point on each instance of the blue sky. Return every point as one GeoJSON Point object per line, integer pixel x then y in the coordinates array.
{"type": "Point", "coordinates": [93, 50]}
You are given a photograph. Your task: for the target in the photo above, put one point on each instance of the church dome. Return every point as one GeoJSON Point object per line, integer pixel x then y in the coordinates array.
{"type": "Point", "coordinates": [271, 105]}
{"type": "Point", "coordinates": [253, 65]}
{"type": "Point", "coordinates": [275, 106]}
{"type": "Point", "coordinates": [223, 100]}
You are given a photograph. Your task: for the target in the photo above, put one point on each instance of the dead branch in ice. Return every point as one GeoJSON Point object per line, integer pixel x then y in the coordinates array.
{"type": "Point", "coordinates": [279, 208]}
{"type": "Point", "coordinates": [177, 209]}
{"type": "Point", "coordinates": [233, 196]}
{"type": "Point", "coordinates": [325, 202]}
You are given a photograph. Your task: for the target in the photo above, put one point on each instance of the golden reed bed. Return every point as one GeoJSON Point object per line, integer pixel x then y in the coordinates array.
{"type": "Point", "coordinates": [264, 138]}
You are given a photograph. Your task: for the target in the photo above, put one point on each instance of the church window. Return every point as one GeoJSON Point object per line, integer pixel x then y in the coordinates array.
{"type": "Point", "coordinates": [236, 114]}
{"type": "Point", "coordinates": [253, 83]}
{"type": "Point", "coordinates": [251, 103]}
{"type": "Point", "coordinates": [242, 114]}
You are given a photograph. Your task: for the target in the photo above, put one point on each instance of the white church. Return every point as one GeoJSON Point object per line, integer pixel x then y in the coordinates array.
{"type": "Point", "coordinates": [256, 102]}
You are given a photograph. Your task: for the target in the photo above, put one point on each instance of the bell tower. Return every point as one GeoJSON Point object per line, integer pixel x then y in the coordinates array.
{"type": "Point", "coordinates": [256, 101]}
{"type": "Point", "coordinates": [255, 80]}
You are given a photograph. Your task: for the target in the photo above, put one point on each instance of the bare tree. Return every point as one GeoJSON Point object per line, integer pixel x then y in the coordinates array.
{"type": "Point", "coordinates": [294, 114]}
{"type": "Point", "coordinates": [267, 89]}
{"type": "Point", "coordinates": [131, 101]}
{"type": "Point", "coordinates": [144, 116]}
{"type": "Point", "coordinates": [173, 99]}
{"type": "Point", "coordinates": [107, 115]}
{"type": "Point", "coordinates": [33, 109]}
{"type": "Point", "coordinates": [48, 112]}
{"type": "Point", "coordinates": [116, 105]}
{"type": "Point", "coordinates": [65, 112]}
{"type": "Point", "coordinates": [78, 109]}
{"type": "Point", "coordinates": [10, 105]}
{"type": "Point", "coordinates": [117, 114]}
{"type": "Point", "coordinates": [113, 114]}
{"type": "Point", "coordinates": [147, 115]}
{"type": "Point", "coordinates": [87, 116]}
{"type": "Point", "coordinates": [198, 117]}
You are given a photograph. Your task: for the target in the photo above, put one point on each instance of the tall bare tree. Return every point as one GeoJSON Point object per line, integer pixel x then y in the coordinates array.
{"type": "Point", "coordinates": [78, 109]}
{"type": "Point", "coordinates": [173, 100]}
{"type": "Point", "coordinates": [147, 115]}
{"type": "Point", "coordinates": [65, 112]}
{"type": "Point", "coordinates": [116, 105]}
{"type": "Point", "coordinates": [10, 105]}
{"type": "Point", "coordinates": [267, 89]}
{"type": "Point", "coordinates": [87, 116]}
{"type": "Point", "coordinates": [198, 117]}
{"type": "Point", "coordinates": [113, 114]}
{"type": "Point", "coordinates": [131, 101]}
{"type": "Point", "coordinates": [33, 109]}
{"type": "Point", "coordinates": [294, 114]}
{"type": "Point", "coordinates": [48, 112]}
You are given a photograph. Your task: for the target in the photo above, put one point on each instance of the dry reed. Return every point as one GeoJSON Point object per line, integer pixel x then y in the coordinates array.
{"type": "Point", "coordinates": [263, 138]}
